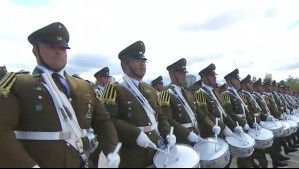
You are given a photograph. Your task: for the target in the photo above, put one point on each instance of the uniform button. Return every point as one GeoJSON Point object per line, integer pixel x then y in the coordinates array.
{"type": "Point", "coordinates": [70, 99]}
{"type": "Point", "coordinates": [150, 133]}
{"type": "Point", "coordinates": [129, 108]}
{"type": "Point", "coordinates": [40, 97]}
{"type": "Point", "coordinates": [68, 144]}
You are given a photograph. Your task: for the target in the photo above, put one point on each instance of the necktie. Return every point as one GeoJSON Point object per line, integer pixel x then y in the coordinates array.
{"type": "Point", "coordinates": [140, 87]}
{"type": "Point", "coordinates": [58, 81]}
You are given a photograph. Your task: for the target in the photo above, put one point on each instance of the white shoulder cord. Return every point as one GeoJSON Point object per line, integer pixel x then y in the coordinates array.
{"type": "Point", "coordinates": [65, 108]}
{"type": "Point", "coordinates": [142, 100]}
{"type": "Point", "coordinates": [188, 109]}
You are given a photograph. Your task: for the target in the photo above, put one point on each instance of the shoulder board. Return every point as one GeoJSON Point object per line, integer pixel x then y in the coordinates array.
{"type": "Point", "coordinates": [225, 97]}
{"type": "Point", "coordinates": [6, 83]}
{"type": "Point", "coordinates": [109, 95]}
{"type": "Point", "coordinates": [200, 97]}
{"type": "Point", "coordinates": [164, 98]}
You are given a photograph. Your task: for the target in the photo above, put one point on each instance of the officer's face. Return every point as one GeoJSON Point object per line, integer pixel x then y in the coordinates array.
{"type": "Point", "coordinates": [55, 56]}
{"type": "Point", "coordinates": [135, 68]}
{"type": "Point", "coordinates": [236, 83]}
{"type": "Point", "coordinates": [212, 80]}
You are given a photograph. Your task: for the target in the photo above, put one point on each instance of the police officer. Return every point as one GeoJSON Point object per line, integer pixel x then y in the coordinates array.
{"type": "Point", "coordinates": [102, 79]}
{"type": "Point", "coordinates": [43, 127]}
{"type": "Point", "coordinates": [3, 71]}
{"type": "Point", "coordinates": [233, 105]}
{"type": "Point", "coordinates": [180, 106]}
{"type": "Point", "coordinates": [254, 108]}
{"type": "Point", "coordinates": [209, 101]}
{"type": "Point", "coordinates": [134, 107]}
{"type": "Point", "coordinates": [158, 84]}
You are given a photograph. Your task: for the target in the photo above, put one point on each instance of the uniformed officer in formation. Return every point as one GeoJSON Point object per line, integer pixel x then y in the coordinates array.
{"type": "Point", "coordinates": [43, 127]}
{"type": "Point", "coordinates": [233, 105]}
{"type": "Point", "coordinates": [209, 101]}
{"type": "Point", "coordinates": [134, 107]}
{"type": "Point", "coordinates": [3, 71]}
{"type": "Point", "coordinates": [158, 84]}
{"type": "Point", "coordinates": [180, 106]}
{"type": "Point", "coordinates": [102, 79]}
{"type": "Point", "coordinates": [254, 109]}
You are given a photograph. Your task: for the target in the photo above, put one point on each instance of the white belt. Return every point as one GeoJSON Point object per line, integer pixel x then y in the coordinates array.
{"type": "Point", "coordinates": [33, 135]}
{"type": "Point", "coordinates": [187, 125]}
{"type": "Point", "coordinates": [147, 129]}
{"type": "Point", "coordinates": [241, 115]}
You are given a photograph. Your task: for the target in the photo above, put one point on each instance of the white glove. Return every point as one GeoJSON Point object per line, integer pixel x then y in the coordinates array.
{"type": "Point", "coordinates": [113, 160]}
{"type": "Point", "coordinates": [36, 166]}
{"type": "Point", "coordinates": [281, 117]}
{"type": "Point", "coordinates": [194, 138]}
{"type": "Point", "coordinates": [262, 123]}
{"type": "Point", "coordinates": [227, 132]}
{"type": "Point", "coordinates": [238, 129]}
{"type": "Point", "coordinates": [288, 111]}
{"type": "Point", "coordinates": [246, 127]}
{"type": "Point", "coordinates": [270, 118]}
{"type": "Point", "coordinates": [255, 125]}
{"type": "Point", "coordinates": [144, 141]}
{"type": "Point", "coordinates": [216, 130]}
{"type": "Point", "coordinates": [171, 139]}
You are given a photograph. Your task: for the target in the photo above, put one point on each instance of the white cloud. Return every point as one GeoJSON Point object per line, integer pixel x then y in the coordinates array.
{"type": "Point", "coordinates": [256, 37]}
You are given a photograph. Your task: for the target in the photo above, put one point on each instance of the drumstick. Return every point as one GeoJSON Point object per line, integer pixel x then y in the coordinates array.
{"type": "Point", "coordinates": [168, 147]}
{"type": "Point", "coordinates": [117, 148]}
{"type": "Point", "coordinates": [216, 136]}
{"type": "Point", "coordinates": [242, 135]}
{"type": "Point", "coordinates": [162, 151]}
{"type": "Point", "coordinates": [255, 126]}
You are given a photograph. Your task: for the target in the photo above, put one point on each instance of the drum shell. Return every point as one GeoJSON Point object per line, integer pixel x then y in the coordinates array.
{"type": "Point", "coordinates": [287, 129]}
{"type": "Point", "coordinates": [264, 139]}
{"type": "Point", "coordinates": [237, 147]}
{"type": "Point", "coordinates": [276, 127]}
{"type": "Point", "coordinates": [210, 158]}
{"type": "Point", "coordinates": [187, 155]}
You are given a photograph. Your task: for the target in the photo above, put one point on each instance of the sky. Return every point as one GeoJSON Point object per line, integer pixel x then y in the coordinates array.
{"type": "Point", "coordinates": [255, 36]}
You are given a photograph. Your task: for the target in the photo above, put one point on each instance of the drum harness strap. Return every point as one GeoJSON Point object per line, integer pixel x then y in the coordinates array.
{"type": "Point", "coordinates": [71, 131]}
{"type": "Point", "coordinates": [150, 112]}
{"type": "Point", "coordinates": [254, 101]}
{"type": "Point", "coordinates": [221, 110]}
{"type": "Point", "coordinates": [176, 91]}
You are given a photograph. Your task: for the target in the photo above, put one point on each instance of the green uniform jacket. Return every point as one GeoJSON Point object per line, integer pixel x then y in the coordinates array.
{"type": "Point", "coordinates": [30, 107]}
{"type": "Point", "coordinates": [128, 115]}
{"type": "Point", "coordinates": [178, 115]}
{"type": "Point", "coordinates": [272, 105]}
{"type": "Point", "coordinates": [254, 110]}
{"type": "Point", "coordinates": [233, 106]}
{"type": "Point", "coordinates": [209, 106]}
{"type": "Point", "coordinates": [264, 109]}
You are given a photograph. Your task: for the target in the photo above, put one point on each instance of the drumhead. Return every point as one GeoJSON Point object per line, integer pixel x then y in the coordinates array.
{"type": "Point", "coordinates": [187, 157]}
{"type": "Point", "coordinates": [262, 134]}
{"type": "Point", "coordinates": [236, 142]}
{"type": "Point", "coordinates": [207, 149]}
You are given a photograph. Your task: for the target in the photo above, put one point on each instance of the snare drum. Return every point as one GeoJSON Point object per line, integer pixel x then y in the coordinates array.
{"type": "Point", "coordinates": [213, 156]}
{"type": "Point", "coordinates": [240, 144]}
{"type": "Point", "coordinates": [287, 129]}
{"type": "Point", "coordinates": [275, 126]}
{"type": "Point", "coordinates": [263, 138]}
{"type": "Point", "coordinates": [187, 157]}
{"type": "Point", "coordinates": [293, 125]}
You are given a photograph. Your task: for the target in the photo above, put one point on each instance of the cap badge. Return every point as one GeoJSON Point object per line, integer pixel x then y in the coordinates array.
{"type": "Point", "coordinates": [140, 52]}
{"type": "Point", "coordinates": [59, 38]}
{"type": "Point", "coordinates": [59, 26]}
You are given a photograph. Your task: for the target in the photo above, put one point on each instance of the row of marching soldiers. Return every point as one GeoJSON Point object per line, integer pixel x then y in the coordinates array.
{"type": "Point", "coordinates": [266, 111]}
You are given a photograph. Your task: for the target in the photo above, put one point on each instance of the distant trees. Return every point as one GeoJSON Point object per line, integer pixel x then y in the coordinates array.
{"type": "Point", "coordinates": [290, 81]}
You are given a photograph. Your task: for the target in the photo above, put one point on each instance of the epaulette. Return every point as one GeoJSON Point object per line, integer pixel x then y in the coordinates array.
{"type": "Point", "coordinates": [225, 97]}
{"type": "Point", "coordinates": [109, 95]}
{"type": "Point", "coordinates": [6, 83]}
{"type": "Point", "coordinates": [164, 98]}
{"type": "Point", "coordinates": [243, 97]}
{"type": "Point", "coordinates": [200, 98]}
